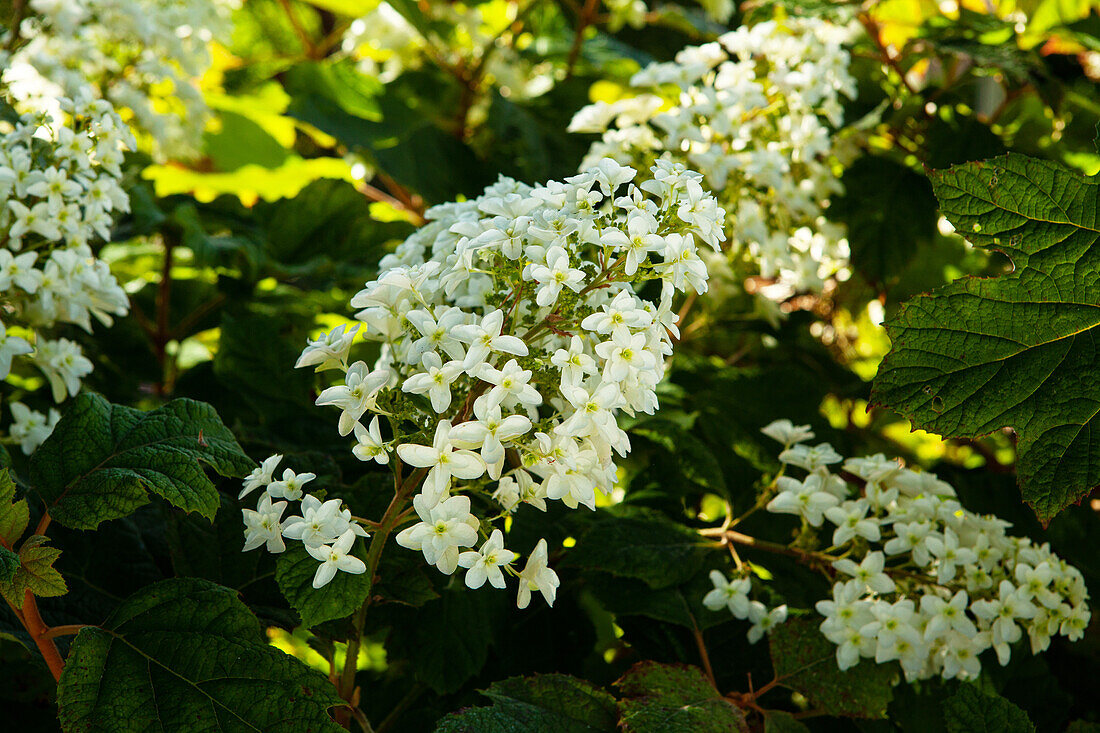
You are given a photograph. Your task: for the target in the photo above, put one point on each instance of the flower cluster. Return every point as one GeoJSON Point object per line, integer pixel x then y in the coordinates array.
{"type": "Point", "coordinates": [919, 579]}
{"type": "Point", "coordinates": [141, 55]}
{"type": "Point", "coordinates": [733, 594]}
{"type": "Point", "coordinates": [326, 529]}
{"type": "Point", "coordinates": [59, 190]}
{"type": "Point", "coordinates": [512, 335]}
{"type": "Point", "coordinates": [755, 113]}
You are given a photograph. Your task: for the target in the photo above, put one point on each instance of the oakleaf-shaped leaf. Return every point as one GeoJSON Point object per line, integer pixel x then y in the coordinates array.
{"type": "Point", "coordinates": [14, 515]}
{"type": "Point", "coordinates": [1020, 350]}
{"type": "Point", "coordinates": [35, 573]}
{"type": "Point", "coordinates": [101, 460]}
{"type": "Point", "coordinates": [339, 598]}
{"type": "Point", "coordinates": [187, 655]}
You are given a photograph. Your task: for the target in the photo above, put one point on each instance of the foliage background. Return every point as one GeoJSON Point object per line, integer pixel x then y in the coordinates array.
{"type": "Point", "coordinates": [313, 168]}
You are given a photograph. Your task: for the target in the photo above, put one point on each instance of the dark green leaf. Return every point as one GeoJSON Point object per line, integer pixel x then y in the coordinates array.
{"type": "Point", "coordinates": [674, 698]}
{"type": "Point", "coordinates": [186, 655]}
{"type": "Point", "coordinates": [1019, 350]}
{"type": "Point", "coordinates": [550, 703]}
{"type": "Point", "coordinates": [890, 211]}
{"type": "Point", "coordinates": [806, 662]}
{"type": "Point", "coordinates": [447, 640]}
{"type": "Point", "coordinates": [971, 711]}
{"type": "Point", "coordinates": [777, 721]}
{"type": "Point", "coordinates": [340, 598]}
{"type": "Point", "coordinates": [102, 459]}
{"type": "Point", "coordinates": [636, 543]}
{"type": "Point", "coordinates": [9, 565]}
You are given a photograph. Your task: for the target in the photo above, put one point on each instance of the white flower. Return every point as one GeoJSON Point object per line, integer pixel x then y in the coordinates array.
{"type": "Point", "coordinates": [486, 563]}
{"type": "Point", "coordinates": [11, 347]}
{"type": "Point", "coordinates": [64, 364]}
{"type": "Point", "coordinates": [810, 458]}
{"type": "Point", "coordinates": [443, 459]}
{"type": "Point", "coordinates": [330, 351]}
{"type": "Point", "coordinates": [731, 594]}
{"type": "Point", "coordinates": [369, 444]}
{"type": "Point", "coordinates": [574, 363]}
{"type": "Point", "coordinates": [489, 432]}
{"type": "Point", "coordinates": [805, 499]}
{"type": "Point", "coordinates": [949, 554]}
{"type": "Point", "coordinates": [435, 380]}
{"type": "Point", "coordinates": [356, 395]}
{"type": "Point", "coordinates": [486, 338]}
{"type": "Point", "coordinates": [851, 521]}
{"type": "Point", "coordinates": [443, 528]}
{"type": "Point", "coordinates": [868, 573]}
{"type": "Point", "coordinates": [510, 385]}
{"type": "Point", "coordinates": [319, 524]}
{"type": "Point", "coordinates": [536, 576]}
{"type": "Point", "coordinates": [30, 427]}
{"type": "Point", "coordinates": [290, 485]}
{"type": "Point", "coordinates": [262, 475]}
{"type": "Point", "coordinates": [945, 616]}
{"type": "Point", "coordinates": [335, 557]}
{"type": "Point", "coordinates": [763, 620]}
{"type": "Point", "coordinates": [263, 525]}
{"type": "Point", "coordinates": [787, 433]}
{"type": "Point", "coordinates": [555, 275]}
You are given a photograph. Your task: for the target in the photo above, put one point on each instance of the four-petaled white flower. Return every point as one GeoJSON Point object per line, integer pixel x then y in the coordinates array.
{"type": "Point", "coordinates": [443, 528]}
{"type": "Point", "coordinates": [486, 563]}
{"type": "Point", "coordinates": [336, 557]}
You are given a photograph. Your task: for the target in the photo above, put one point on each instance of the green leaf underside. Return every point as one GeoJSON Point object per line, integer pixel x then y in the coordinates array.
{"type": "Point", "coordinates": [971, 711]}
{"type": "Point", "coordinates": [551, 703]}
{"type": "Point", "coordinates": [341, 597]}
{"type": "Point", "coordinates": [102, 459]}
{"type": "Point", "coordinates": [1019, 350]}
{"type": "Point", "coordinates": [806, 662]}
{"type": "Point", "coordinates": [673, 698]}
{"type": "Point", "coordinates": [186, 654]}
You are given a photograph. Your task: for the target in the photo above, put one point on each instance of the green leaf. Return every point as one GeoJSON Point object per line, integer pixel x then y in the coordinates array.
{"type": "Point", "coordinates": [554, 703]}
{"type": "Point", "coordinates": [1019, 350]}
{"type": "Point", "coordinates": [806, 662]}
{"type": "Point", "coordinates": [890, 211]}
{"type": "Point", "coordinates": [14, 515]}
{"type": "Point", "coordinates": [35, 573]}
{"type": "Point", "coordinates": [102, 459]}
{"type": "Point", "coordinates": [971, 711]}
{"type": "Point", "coordinates": [446, 641]}
{"type": "Point", "coordinates": [340, 598]}
{"type": "Point", "coordinates": [642, 544]}
{"type": "Point", "coordinates": [9, 565]}
{"type": "Point", "coordinates": [185, 654]}
{"type": "Point", "coordinates": [777, 721]}
{"type": "Point", "coordinates": [674, 698]}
